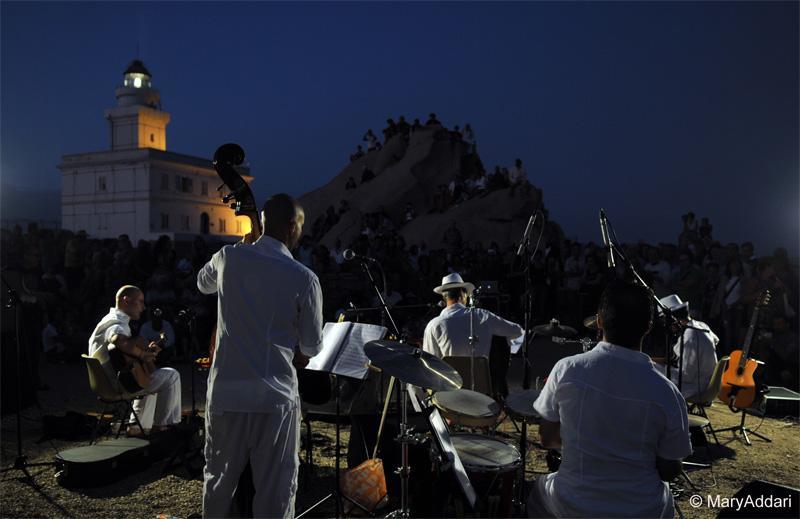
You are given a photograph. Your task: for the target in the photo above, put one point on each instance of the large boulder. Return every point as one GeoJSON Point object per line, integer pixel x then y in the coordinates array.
{"type": "Point", "coordinates": [411, 171]}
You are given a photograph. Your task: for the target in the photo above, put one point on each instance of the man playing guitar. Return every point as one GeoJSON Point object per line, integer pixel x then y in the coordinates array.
{"type": "Point", "coordinates": [160, 409]}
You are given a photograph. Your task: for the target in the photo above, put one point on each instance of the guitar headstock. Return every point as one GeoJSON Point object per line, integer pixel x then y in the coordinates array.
{"type": "Point", "coordinates": [763, 298]}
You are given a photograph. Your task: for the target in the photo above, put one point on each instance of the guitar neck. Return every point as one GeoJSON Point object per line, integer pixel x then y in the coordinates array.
{"type": "Point", "coordinates": [749, 338]}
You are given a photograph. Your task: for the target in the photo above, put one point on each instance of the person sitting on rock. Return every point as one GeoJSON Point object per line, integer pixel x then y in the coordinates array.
{"type": "Point", "coordinates": [371, 140]}
{"type": "Point", "coordinates": [432, 120]}
{"type": "Point", "coordinates": [367, 175]}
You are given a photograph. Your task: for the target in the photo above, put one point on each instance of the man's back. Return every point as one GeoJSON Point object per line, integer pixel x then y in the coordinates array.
{"type": "Point", "coordinates": [617, 414]}
{"type": "Point", "coordinates": [448, 334]}
{"type": "Point", "coordinates": [268, 305]}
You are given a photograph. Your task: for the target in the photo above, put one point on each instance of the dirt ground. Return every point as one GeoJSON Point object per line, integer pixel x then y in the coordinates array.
{"type": "Point", "coordinates": [178, 494]}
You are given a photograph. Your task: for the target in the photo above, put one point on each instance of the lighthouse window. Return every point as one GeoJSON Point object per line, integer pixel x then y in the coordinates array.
{"type": "Point", "coordinates": [101, 183]}
{"type": "Point", "coordinates": [152, 138]}
{"type": "Point", "coordinates": [137, 82]}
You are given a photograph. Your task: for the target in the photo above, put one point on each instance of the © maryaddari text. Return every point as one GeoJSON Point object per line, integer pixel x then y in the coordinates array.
{"type": "Point", "coordinates": [737, 503]}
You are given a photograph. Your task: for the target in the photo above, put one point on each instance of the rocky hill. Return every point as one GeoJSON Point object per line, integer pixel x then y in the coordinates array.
{"type": "Point", "coordinates": [415, 170]}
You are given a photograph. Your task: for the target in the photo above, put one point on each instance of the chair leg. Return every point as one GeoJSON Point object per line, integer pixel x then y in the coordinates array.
{"type": "Point", "coordinates": [96, 428]}
{"type": "Point", "coordinates": [710, 427]}
{"type": "Point", "coordinates": [135, 417]}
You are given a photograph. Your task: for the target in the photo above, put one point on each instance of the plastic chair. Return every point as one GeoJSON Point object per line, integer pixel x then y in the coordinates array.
{"type": "Point", "coordinates": [111, 395]}
{"type": "Point", "coordinates": [700, 401]}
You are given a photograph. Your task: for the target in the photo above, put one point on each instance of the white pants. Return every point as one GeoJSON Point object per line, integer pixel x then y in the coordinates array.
{"type": "Point", "coordinates": [164, 407]}
{"type": "Point", "coordinates": [270, 441]}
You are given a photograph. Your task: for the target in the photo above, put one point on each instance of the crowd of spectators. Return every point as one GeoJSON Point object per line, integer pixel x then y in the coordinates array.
{"type": "Point", "coordinates": [67, 282]}
{"type": "Point", "coordinates": [471, 181]}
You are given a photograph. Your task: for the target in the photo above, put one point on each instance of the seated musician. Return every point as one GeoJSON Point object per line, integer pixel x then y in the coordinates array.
{"type": "Point", "coordinates": [699, 350]}
{"type": "Point", "coordinates": [448, 334]}
{"type": "Point", "coordinates": [621, 425]}
{"type": "Point", "coordinates": [161, 409]}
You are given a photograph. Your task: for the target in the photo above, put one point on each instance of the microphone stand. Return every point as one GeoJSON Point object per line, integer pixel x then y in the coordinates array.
{"type": "Point", "coordinates": [21, 461]}
{"type": "Point", "coordinates": [526, 366]}
{"type": "Point", "coordinates": [670, 322]}
{"type": "Point", "coordinates": [472, 339]}
{"type": "Point", "coordinates": [406, 435]}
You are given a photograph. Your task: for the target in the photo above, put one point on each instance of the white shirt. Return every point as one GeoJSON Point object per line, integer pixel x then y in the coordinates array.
{"type": "Point", "coordinates": [268, 306]}
{"type": "Point", "coordinates": [448, 334]}
{"type": "Point", "coordinates": [617, 413]}
{"type": "Point", "coordinates": [148, 332]}
{"type": "Point", "coordinates": [115, 322]}
{"type": "Point", "coordinates": [699, 358]}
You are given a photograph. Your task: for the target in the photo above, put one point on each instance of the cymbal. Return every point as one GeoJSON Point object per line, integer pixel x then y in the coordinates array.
{"type": "Point", "coordinates": [554, 328]}
{"type": "Point", "coordinates": [590, 322]}
{"type": "Point", "coordinates": [412, 365]}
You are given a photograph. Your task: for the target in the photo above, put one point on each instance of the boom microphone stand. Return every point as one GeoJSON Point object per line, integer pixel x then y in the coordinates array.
{"type": "Point", "coordinates": [522, 251]}
{"type": "Point", "coordinates": [671, 323]}
{"type": "Point", "coordinates": [406, 435]}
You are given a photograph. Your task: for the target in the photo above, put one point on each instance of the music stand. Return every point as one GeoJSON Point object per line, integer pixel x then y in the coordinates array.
{"type": "Point", "coordinates": [342, 354]}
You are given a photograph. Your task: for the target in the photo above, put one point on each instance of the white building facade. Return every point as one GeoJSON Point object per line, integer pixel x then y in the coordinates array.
{"type": "Point", "coordinates": [139, 188]}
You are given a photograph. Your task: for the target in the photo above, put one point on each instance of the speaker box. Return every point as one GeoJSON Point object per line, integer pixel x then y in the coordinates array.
{"type": "Point", "coordinates": [763, 499]}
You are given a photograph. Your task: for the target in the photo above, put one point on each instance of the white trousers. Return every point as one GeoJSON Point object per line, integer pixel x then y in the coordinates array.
{"type": "Point", "coordinates": [270, 441]}
{"type": "Point", "coordinates": [164, 407]}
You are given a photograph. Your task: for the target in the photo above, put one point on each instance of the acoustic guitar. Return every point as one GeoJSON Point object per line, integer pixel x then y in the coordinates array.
{"type": "Point", "coordinates": [738, 388]}
{"type": "Point", "coordinates": [133, 373]}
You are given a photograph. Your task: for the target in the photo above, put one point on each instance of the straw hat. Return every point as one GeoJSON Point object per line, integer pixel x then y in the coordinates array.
{"type": "Point", "coordinates": [454, 281]}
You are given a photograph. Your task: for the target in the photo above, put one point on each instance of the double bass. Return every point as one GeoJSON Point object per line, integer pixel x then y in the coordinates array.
{"type": "Point", "coordinates": [315, 386]}
{"type": "Point", "coordinates": [738, 388]}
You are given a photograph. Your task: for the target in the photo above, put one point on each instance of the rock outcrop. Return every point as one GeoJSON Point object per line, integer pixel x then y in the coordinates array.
{"type": "Point", "coordinates": [412, 171]}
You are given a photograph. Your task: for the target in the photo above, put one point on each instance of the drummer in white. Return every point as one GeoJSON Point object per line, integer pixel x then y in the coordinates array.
{"type": "Point", "coordinates": [621, 425]}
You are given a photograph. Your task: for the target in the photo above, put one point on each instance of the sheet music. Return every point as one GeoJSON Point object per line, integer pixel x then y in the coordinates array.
{"type": "Point", "coordinates": [352, 361]}
{"type": "Point", "coordinates": [516, 344]}
{"type": "Point", "coordinates": [343, 348]}
{"type": "Point", "coordinates": [443, 435]}
{"type": "Point", "coordinates": [333, 335]}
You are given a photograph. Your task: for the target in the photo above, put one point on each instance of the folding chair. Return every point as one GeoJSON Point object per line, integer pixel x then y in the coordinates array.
{"type": "Point", "coordinates": [111, 395]}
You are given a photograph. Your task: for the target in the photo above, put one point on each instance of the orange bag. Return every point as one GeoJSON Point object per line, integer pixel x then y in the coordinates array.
{"type": "Point", "coordinates": [365, 485]}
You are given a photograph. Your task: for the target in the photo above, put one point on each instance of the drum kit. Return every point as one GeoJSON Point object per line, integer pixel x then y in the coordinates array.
{"type": "Point", "coordinates": [493, 465]}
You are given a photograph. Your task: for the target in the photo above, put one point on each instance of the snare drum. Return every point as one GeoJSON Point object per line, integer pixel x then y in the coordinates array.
{"type": "Point", "coordinates": [467, 408]}
{"type": "Point", "coordinates": [492, 465]}
{"type": "Point", "coordinates": [520, 405]}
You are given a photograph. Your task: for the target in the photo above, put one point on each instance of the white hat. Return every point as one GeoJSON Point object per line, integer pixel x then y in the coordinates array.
{"type": "Point", "coordinates": [454, 281]}
{"type": "Point", "coordinates": [673, 302]}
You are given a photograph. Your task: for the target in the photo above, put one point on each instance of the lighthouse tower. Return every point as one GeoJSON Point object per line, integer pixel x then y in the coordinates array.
{"type": "Point", "coordinates": [137, 121]}
{"type": "Point", "coordinates": [139, 188]}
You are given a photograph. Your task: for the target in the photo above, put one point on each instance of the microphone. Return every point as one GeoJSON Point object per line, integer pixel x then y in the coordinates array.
{"type": "Point", "coordinates": [527, 235]}
{"type": "Point", "coordinates": [350, 254]}
{"type": "Point", "coordinates": [606, 239]}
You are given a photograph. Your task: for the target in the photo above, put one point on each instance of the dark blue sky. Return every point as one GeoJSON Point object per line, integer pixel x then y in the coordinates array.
{"type": "Point", "coordinates": [647, 109]}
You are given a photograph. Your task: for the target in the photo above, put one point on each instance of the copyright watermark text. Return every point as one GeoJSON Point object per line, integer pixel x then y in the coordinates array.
{"type": "Point", "coordinates": [738, 503]}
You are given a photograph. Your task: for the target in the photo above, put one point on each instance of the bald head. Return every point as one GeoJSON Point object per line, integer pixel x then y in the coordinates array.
{"type": "Point", "coordinates": [283, 217]}
{"type": "Point", "coordinates": [127, 291]}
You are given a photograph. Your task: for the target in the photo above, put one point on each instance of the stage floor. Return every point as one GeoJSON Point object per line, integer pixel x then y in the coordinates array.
{"type": "Point", "coordinates": [148, 494]}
